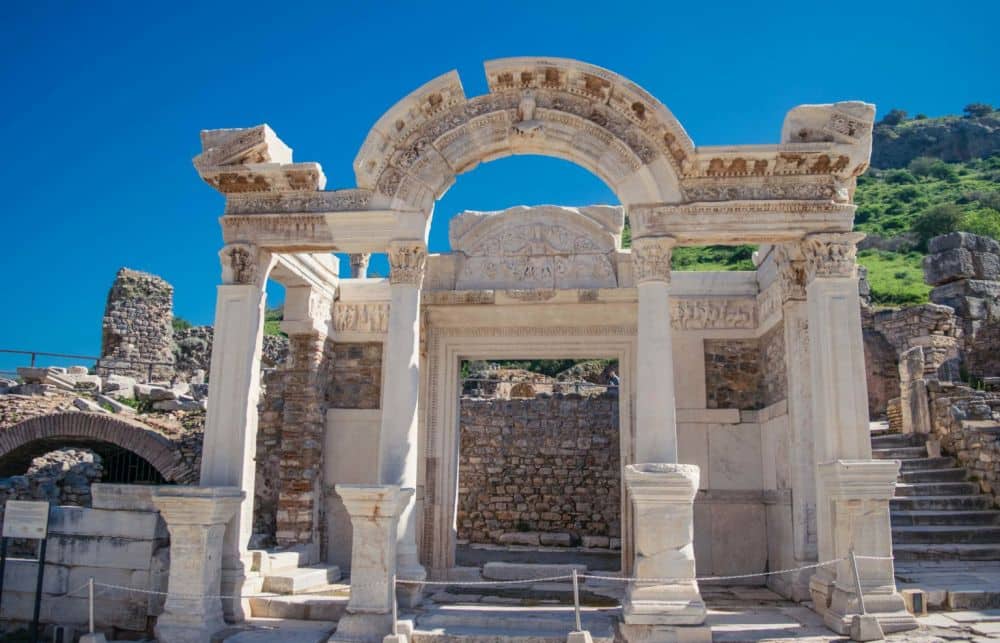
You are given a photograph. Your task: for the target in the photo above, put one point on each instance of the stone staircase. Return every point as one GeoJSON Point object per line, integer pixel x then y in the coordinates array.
{"type": "Point", "coordinates": [938, 512]}
{"type": "Point", "coordinates": [307, 592]}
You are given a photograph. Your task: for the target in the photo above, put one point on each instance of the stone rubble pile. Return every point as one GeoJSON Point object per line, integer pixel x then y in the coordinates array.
{"type": "Point", "coordinates": [60, 477]}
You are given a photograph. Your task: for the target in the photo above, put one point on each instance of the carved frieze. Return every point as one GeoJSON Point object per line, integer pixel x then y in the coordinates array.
{"type": "Point", "coordinates": [406, 262]}
{"type": "Point", "coordinates": [363, 317]}
{"type": "Point", "coordinates": [831, 254]}
{"type": "Point", "coordinates": [712, 313]}
{"type": "Point", "coordinates": [651, 258]}
{"type": "Point", "coordinates": [265, 203]}
{"type": "Point", "coordinates": [716, 189]}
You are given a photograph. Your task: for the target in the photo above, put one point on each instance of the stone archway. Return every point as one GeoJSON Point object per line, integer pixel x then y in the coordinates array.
{"type": "Point", "coordinates": [155, 448]}
{"type": "Point", "coordinates": [555, 107]}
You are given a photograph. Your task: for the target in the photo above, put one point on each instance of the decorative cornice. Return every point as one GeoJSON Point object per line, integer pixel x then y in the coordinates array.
{"type": "Point", "coordinates": [406, 262]}
{"type": "Point", "coordinates": [831, 254]}
{"type": "Point", "coordinates": [651, 258]}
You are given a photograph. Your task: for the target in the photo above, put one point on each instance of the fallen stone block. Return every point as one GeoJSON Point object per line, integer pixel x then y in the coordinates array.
{"type": "Point", "coordinates": [529, 538]}
{"type": "Point", "coordinates": [88, 405]}
{"type": "Point", "coordinates": [556, 540]}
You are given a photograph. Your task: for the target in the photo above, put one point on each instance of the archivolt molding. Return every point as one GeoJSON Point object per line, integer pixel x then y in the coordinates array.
{"type": "Point", "coordinates": [550, 106]}
{"type": "Point", "coordinates": [155, 448]}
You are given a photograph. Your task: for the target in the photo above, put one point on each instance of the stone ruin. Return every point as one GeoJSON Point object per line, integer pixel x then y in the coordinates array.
{"type": "Point", "coordinates": [137, 331]}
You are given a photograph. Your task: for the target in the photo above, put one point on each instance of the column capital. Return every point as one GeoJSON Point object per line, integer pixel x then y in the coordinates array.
{"type": "Point", "coordinates": [245, 264]}
{"type": "Point", "coordinates": [359, 264]}
{"type": "Point", "coordinates": [791, 265]}
{"type": "Point", "coordinates": [407, 259]}
{"type": "Point", "coordinates": [651, 258]}
{"type": "Point", "coordinates": [831, 254]}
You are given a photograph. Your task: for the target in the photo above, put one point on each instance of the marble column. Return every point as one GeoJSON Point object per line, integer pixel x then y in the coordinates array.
{"type": "Point", "coordinates": [791, 271]}
{"type": "Point", "coordinates": [655, 405]}
{"type": "Point", "coordinates": [839, 406]}
{"type": "Point", "coordinates": [662, 497]}
{"type": "Point", "coordinates": [230, 440]}
{"type": "Point", "coordinates": [375, 512]}
{"type": "Point", "coordinates": [196, 518]}
{"type": "Point", "coordinates": [359, 265]}
{"type": "Point", "coordinates": [398, 454]}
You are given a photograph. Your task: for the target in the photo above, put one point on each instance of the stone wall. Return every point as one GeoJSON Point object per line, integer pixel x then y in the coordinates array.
{"type": "Point", "coordinates": [356, 376]}
{"type": "Point", "coordinates": [268, 459]}
{"type": "Point", "coordinates": [965, 270]}
{"type": "Point", "coordinates": [121, 540]}
{"type": "Point", "coordinates": [60, 477]}
{"type": "Point", "coordinates": [548, 464]}
{"type": "Point", "coordinates": [966, 423]}
{"type": "Point", "coordinates": [746, 374]}
{"type": "Point", "coordinates": [732, 373]}
{"type": "Point", "coordinates": [138, 326]}
{"type": "Point", "coordinates": [193, 351]}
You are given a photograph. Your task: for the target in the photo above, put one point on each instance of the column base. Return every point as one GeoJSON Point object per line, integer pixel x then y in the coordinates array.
{"type": "Point", "coordinates": [237, 582]}
{"type": "Point", "coordinates": [168, 631]}
{"type": "Point", "coordinates": [889, 609]}
{"type": "Point", "coordinates": [821, 589]}
{"type": "Point", "coordinates": [673, 611]}
{"type": "Point", "coordinates": [665, 633]}
{"type": "Point", "coordinates": [410, 595]}
{"type": "Point", "coordinates": [362, 627]}
{"type": "Point", "coordinates": [792, 586]}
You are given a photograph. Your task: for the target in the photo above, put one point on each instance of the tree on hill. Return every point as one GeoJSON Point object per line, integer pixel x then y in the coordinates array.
{"type": "Point", "coordinates": [894, 117]}
{"type": "Point", "coordinates": [976, 110]}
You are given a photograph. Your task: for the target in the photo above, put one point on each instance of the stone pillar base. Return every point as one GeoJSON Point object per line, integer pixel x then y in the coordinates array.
{"type": "Point", "coordinates": [374, 511]}
{"type": "Point", "coordinates": [662, 497]}
{"type": "Point", "coordinates": [410, 595]}
{"type": "Point", "coordinates": [857, 493]}
{"type": "Point", "coordinates": [196, 518]}
{"type": "Point", "coordinates": [665, 633]}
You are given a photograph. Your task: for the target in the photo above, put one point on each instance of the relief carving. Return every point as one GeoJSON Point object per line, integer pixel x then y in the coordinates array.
{"type": "Point", "coordinates": [361, 317]}
{"type": "Point", "coordinates": [240, 264]}
{"type": "Point", "coordinates": [708, 314]}
{"type": "Point", "coordinates": [651, 258]}
{"type": "Point", "coordinates": [791, 272]}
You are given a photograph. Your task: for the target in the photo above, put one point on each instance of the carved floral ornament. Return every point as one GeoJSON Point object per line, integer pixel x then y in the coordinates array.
{"type": "Point", "coordinates": [651, 258]}
{"type": "Point", "coordinates": [831, 254]}
{"type": "Point", "coordinates": [406, 262]}
{"type": "Point", "coordinates": [791, 272]}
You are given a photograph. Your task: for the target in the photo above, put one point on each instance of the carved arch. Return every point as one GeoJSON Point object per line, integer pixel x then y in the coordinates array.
{"type": "Point", "coordinates": [155, 448]}
{"type": "Point", "coordinates": [556, 107]}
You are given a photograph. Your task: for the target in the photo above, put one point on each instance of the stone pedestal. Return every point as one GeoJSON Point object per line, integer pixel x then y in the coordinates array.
{"type": "Point", "coordinates": [196, 518]}
{"type": "Point", "coordinates": [668, 609]}
{"type": "Point", "coordinates": [857, 493]}
{"type": "Point", "coordinates": [374, 511]}
{"type": "Point", "coordinates": [398, 453]}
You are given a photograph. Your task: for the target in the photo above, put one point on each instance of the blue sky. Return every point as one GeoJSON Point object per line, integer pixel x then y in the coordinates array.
{"type": "Point", "coordinates": [101, 105]}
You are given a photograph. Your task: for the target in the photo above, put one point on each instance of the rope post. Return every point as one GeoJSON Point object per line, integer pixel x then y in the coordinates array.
{"type": "Point", "coordinates": [857, 582]}
{"type": "Point", "coordinates": [90, 601]}
{"type": "Point", "coordinates": [576, 600]}
{"type": "Point", "coordinates": [395, 608]}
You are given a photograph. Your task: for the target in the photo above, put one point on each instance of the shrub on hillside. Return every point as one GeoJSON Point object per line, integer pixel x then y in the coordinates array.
{"type": "Point", "coordinates": [985, 222]}
{"type": "Point", "coordinates": [937, 220]}
{"type": "Point", "coordinates": [899, 177]}
{"type": "Point", "coordinates": [894, 117]}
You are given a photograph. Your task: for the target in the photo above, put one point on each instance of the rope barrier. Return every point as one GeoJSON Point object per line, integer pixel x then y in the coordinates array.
{"type": "Point", "coordinates": [485, 583]}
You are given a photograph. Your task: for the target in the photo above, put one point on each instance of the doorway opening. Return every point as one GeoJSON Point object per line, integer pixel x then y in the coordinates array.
{"type": "Point", "coordinates": [539, 467]}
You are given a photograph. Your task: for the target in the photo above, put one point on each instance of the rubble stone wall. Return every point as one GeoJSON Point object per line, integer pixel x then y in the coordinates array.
{"type": "Point", "coordinates": [747, 374]}
{"type": "Point", "coordinates": [138, 326]}
{"type": "Point", "coordinates": [546, 464]}
{"type": "Point", "coordinates": [962, 420]}
{"type": "Point", "coordinates": [356, 376]}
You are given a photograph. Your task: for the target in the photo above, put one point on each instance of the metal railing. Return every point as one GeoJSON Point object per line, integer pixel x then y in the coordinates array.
{"type": "Point", "coordinates": [109, 364]}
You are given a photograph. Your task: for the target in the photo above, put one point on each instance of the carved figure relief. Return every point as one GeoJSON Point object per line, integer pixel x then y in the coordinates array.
{"type": "Point", "coordinates": [239, 264]}
{"type": "Point", "coordinates": [831, 254]}
{"type": "Point", "coordinates": [361, 317]}
{"type": "Point", "coordinates": [705, 314]}
{"type": "Point", "coordinates": [406, 262]}
{"type": "Point", "coordinates": [651, 258]}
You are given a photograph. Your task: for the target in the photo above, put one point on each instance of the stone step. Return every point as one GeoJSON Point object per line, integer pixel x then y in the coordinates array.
{"type": "Point", "coordinates": [896, 440]}
{"type": "Point", "coordinates": [523, 571]}
{"type": "Point", "coordinates": [947, 534]}
{"type": "Point", "coordinates": [955, 474]}
{"type": "Point", "coordinates": [941, 503]}
{"type": "Point", "coordinates": [301, 607]}
{"type": "Point", "coordinates": [300, 579]}
{"type": "Point", "coordinates": [937, 489]}
{"type": "Point", "coordinates": [946, 552]}
{"type": "Point", "coordinates": [267, 562]}
{"type": "Point", "coordinates": [926, 463]}
{"type": "Point", "coordinates": [533, 594]}
{"type": "Point", "coordinates": [914, 518]}
{"type": "Point", "coordinates": [474, 624]}
{"type": "Point", "coordinates": [899, 453]}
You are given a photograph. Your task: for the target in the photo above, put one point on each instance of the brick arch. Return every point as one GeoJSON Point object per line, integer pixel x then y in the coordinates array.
{"type": "Point", "coordinates": [555, 107]}
{"type": "Point", "coordinates": [138, 438]}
